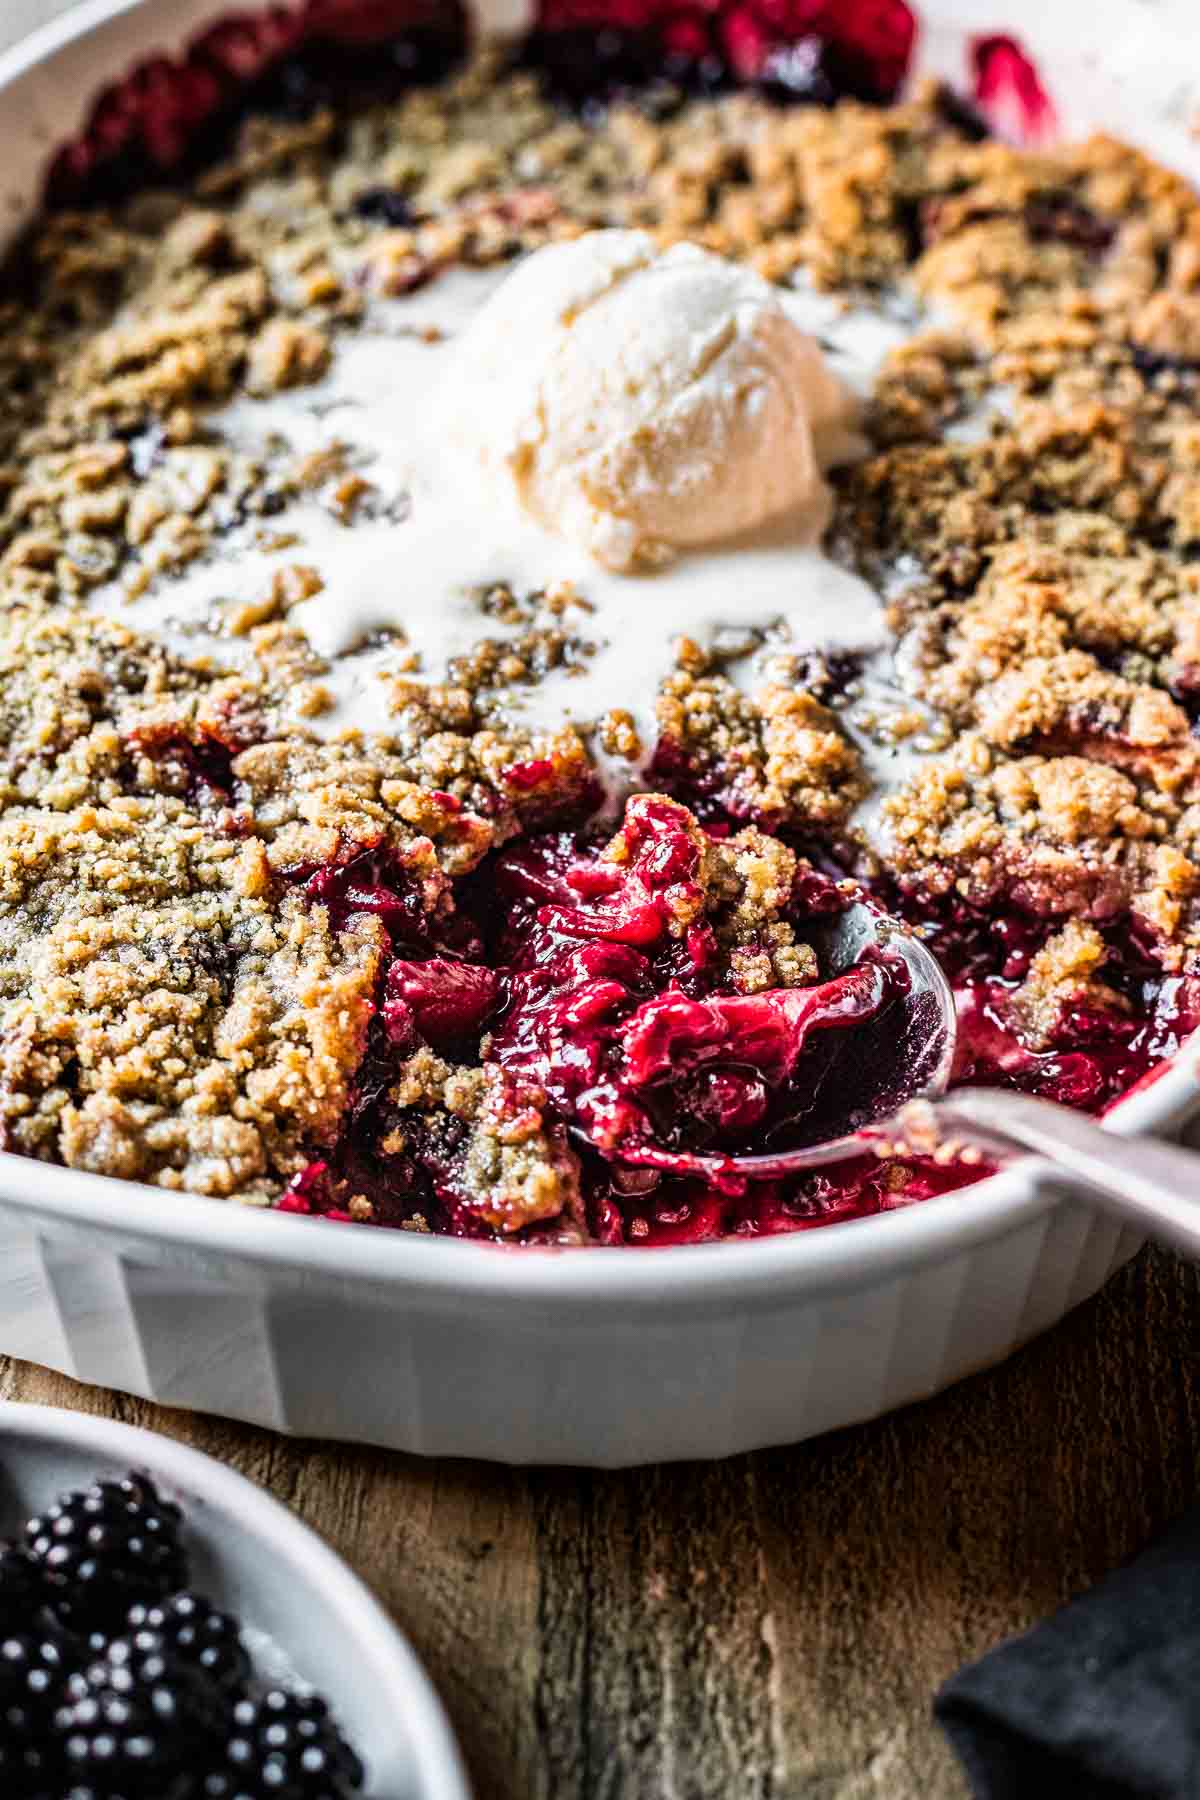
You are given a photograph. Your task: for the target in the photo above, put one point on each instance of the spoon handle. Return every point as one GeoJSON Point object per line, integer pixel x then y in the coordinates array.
{"type": "Point", "coordinates": [1154, 1187]}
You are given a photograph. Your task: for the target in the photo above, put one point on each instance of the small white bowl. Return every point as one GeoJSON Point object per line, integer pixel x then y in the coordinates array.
{"type": "Point", "coordinates": [252, 1558]}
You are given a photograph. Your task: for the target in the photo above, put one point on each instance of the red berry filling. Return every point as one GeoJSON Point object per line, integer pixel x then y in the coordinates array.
{"type": "Point", "coordinates": [601, 1001]}
{"type": "Point", "coordinates": [807, 50]}
{"type": "Point", "coordinates": [166, 117]}
{"type": "Point", "coordinates": [439, 1001]}
{"type": "Point", "coordinates": [198, 764]}
{"type": "Point", "coordinates": [1009, 91]}
{"type": "Point", "coordinates": [615, 1011]}
{"type": "Point", "coordinates": [1096, 1053]}
{"type": "Point", "coordinates": [677, 1210]}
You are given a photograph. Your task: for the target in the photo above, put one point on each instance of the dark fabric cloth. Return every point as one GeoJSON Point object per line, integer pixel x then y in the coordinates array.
{"type": "Point", "coordinates": [1102, 1701]}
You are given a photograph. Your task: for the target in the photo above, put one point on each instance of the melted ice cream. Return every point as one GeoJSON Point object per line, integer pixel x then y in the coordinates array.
{"type": "Point", "coordinates": [639, 402]}
{"type": "Point", "coordinates": [402, 585]}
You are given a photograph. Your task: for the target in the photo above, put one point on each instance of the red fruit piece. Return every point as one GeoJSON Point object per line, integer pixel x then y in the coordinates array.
{"type": "Point", "coordinates": [244, 44]}
{"type": "Point", "coordinates": [446, 1001]}
{"type": "Point", "coordinates": [671, 1035]}
{"type": "Point", "coordinates": [203, 762]}
{"type": "Point", "coordinates": [372, 21]}
{"type": "Point", "coordinates": [371, 882]}
{"type": "Point", "coordinates": [879, 33]}
{"type": "Point", "coordinates": [170, 101]}
{"type": "Point", "coordinates": [114, 121]}
{"type": "Point", "coordinates": [525, 776]}
{"type": "Point", "coordinates": [381, 880]}
{"type": "Point", "coordinates": [634, 900]}
{"type": "Point", "coordinates": [747, 41]}
{"type": "Point", "coordinates": [725, 1100]}
{"type": "Point", "coordinates": [688, 37]}
{"type": "Point", "coordinates": [306, 1191]}
{"type": "Point", "coordinates": [1009, 91]}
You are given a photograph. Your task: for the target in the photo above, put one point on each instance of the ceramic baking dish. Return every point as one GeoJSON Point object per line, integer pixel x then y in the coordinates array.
{"type": "Point", "coordinates": [596, 1356]}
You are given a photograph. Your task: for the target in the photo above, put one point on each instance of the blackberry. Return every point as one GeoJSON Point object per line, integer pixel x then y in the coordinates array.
{"type": "Point", "coordinates": [284, 1746]}
{"type": "Point", "coordinates": [1150, 363]}
{"type": "Point", "coordinates": [34, 1666]}
{"type": "Point", "coordinates": [136, 1725]}
{"type": "Point", "coordinates": [102, 1549]}
{"type": "Point", "coordinates": [21, 1594]}
{"type": "Point", "coordinates": [385, 204]}
{"type": "Point", "coordinates": [189, 1629]}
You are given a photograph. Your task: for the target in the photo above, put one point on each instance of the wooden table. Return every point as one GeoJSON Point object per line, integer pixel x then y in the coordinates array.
{"type": "Point", "coordinates": [769, 1626]}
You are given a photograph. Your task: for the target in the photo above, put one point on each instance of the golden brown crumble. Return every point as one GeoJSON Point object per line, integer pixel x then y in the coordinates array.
{"type": "Point", "coordinates": [1065, 972]}
{"type": "Point", "coordinates": [166, 1019]}
{"type": "Point", "coordinates": [516, 1169]}
{"type": "Point", "coordinates": [780, 755]}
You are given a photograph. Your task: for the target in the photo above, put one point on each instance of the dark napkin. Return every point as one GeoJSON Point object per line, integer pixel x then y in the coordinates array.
{"type": "Point", "coordinates": [1101, 1701]}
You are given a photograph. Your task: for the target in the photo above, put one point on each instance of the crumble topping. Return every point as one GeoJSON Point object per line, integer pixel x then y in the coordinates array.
{"type": "Point", "coordinates": [164, 1021]}
{"type": "Point", "coordinates": [199, 895]}
{"type": "Point", "coordinates": [779, 755]}
{"type": "Point", "coordinates": [1066, 973]}
{"type": "Point", "coordinates": [486, 1136]}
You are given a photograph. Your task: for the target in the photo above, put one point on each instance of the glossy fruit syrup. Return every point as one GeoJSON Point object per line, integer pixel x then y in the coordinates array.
{"type": "Point", "coordinates": [590, 992]}
{"type": "Point", "coordinates": [1098, 1049]}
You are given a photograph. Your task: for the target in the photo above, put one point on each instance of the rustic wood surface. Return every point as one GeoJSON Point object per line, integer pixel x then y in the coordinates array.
{"type": "Point", "coordinates": [774, 1625]}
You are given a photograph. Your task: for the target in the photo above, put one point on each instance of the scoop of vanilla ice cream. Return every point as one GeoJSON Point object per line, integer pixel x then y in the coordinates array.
{"type": "Point", "coordinates": [640, 401]}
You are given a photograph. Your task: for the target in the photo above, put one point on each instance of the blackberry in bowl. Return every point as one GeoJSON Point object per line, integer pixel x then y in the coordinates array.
{"type": "Point", "coordinates": [99, 1551]}
{"type": "Point", "coordinates": [179, 1694]}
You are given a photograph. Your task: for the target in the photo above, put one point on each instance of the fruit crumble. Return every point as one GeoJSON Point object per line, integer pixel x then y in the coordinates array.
{"type": "Point", "coordinates": [324, 889]}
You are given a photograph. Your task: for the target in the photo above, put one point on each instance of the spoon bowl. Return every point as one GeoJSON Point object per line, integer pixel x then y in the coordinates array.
{"type": "Point", "coordinates": [851, 1079]}
{"type": "Point", "coordinates": [882, 1085]}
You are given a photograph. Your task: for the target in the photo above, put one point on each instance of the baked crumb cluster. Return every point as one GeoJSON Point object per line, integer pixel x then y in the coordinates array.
{"type": "Point", "coordinates": [203, 903]}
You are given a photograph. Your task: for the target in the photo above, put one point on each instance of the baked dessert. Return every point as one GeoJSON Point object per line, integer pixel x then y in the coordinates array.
{"type": "Point", "coordinates": [350, 868]}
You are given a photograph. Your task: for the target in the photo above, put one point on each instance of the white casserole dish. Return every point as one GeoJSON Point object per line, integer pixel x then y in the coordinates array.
{"type": "Point", "coordinates": [607, 1357]}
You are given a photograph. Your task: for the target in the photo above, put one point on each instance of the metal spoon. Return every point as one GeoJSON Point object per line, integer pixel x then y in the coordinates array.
{"type": "Point", "coordinates": [905, 1055]}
